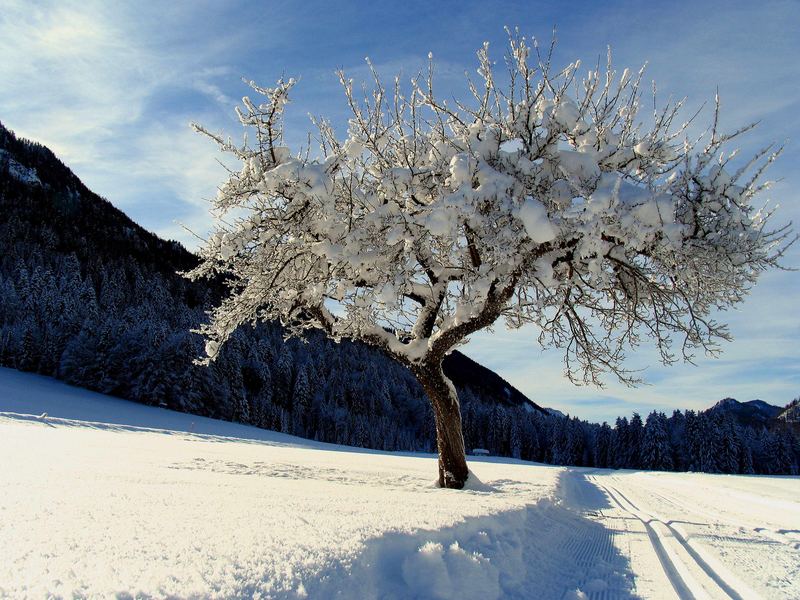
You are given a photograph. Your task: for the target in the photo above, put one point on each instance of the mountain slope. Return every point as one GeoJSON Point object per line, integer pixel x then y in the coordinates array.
{"type": "Point", "coordinates": [752, 412]}
{"type": "Point", "coordinates": [56, 199]}
{"type": "Point", "coordinates": [791, 413]}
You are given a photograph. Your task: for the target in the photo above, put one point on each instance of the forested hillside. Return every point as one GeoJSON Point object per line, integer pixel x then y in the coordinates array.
{"type": "Point", "coordinates": [89, 297]}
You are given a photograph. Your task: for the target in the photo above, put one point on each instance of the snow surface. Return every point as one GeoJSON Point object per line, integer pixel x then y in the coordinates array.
{"type": "Point", "coordinates": [20, 171]}
{"type": "Point", "coordinates": [103, 498]}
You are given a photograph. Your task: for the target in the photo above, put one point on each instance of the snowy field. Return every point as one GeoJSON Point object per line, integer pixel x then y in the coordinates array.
{"type": "Point", "coordinates": [106, 498]}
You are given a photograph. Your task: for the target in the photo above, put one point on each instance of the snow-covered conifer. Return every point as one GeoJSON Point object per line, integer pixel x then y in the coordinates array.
{"type": "Point", "coordinates": [656, 454]}
{"type": "Point", "coordinates": [635, 435]}
{"type": "Point", "coordinates": [708, 444]}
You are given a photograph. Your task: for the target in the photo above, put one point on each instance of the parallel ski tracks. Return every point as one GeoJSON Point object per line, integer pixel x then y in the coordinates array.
{"type": "Point", "coordinates": [775, 536]}
{"type": "Point", "coordinates": [688, 572]}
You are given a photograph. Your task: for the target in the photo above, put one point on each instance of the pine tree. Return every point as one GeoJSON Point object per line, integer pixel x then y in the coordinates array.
{"type": "Point", "coordinates": [676, 426]}
{"type": "Point", "coordinates": [655, 449]}
{"type": "Point", "coordinates": [729, 451]}
{"type": "Point", "coordinates": [709, 443]}
{"type": "Point", "coordinates": [515, 440]}
{"type": "Point", "coordinates": [621, 447]}
{"type": "Point", "coordinates": [283, 379]}
{"type": "Point", "coordinates": [746, 452]}
{"type": "Point", "coordinates": [692, 446]}
{"type": "Point", "coordinates": [784, 458]}
{"type": "Point", "coordinates": [635, 433]}
{"type": "Point", "coordinates": [603, 453]}
{"type": "Point", "coordinates": [301, 403]}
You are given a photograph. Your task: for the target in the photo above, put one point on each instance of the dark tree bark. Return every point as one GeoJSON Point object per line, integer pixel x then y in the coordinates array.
{"type": "Point", "coordinates": [453, 471]}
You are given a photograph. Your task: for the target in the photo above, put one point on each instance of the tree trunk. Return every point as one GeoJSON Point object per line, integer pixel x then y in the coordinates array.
{"type": "Point", "coordinates": [453, 470]}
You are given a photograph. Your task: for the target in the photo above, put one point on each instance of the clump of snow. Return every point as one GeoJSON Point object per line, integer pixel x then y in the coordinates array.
{"type": "Point", "coordinates": [580, 166]}
{"type": "Point", "coordinates": [476, 485]}
{"type": "Point", "coordinates": [534, 218]}
{"type": "Point", "coordinates": [438, 572]}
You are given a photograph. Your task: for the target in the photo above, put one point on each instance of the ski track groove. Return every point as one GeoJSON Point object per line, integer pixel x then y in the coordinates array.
{"type": "Point", "coordinates": [691, 509]}
{"type": "Point", "coordinates": [776, 536]}
{"type": "Point", "coordinates": [701, 562]}
{"type": "Point", "coordinates": [675, 578]}
{"type": "Point", "coordinates": [683, 587]}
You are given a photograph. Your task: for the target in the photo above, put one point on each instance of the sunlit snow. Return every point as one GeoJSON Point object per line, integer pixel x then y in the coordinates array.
{"type": "Point", "coordinates": [103, 498]}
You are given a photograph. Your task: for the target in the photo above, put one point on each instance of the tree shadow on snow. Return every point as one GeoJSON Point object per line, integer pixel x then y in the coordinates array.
{"type": "Point", "coordinates": [545, 551]}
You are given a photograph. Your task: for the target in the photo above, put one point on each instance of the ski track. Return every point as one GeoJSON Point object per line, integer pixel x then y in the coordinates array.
{"type": "Point", "coordinates": [688, 571]}
{"type": "Point", "coordinates": [725, 542]}
{"type": "Point", "coordinates": [777, 536]}
{"type": "Point", "coordinates": [676, 578]}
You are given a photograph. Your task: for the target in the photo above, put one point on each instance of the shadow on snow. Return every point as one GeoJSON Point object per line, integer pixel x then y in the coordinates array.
{"type": "Point", "coordinates": [544, 550]}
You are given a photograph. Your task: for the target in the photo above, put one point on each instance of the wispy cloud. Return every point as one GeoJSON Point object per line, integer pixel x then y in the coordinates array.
{"type": "Point", "coordinates": [87, 82]}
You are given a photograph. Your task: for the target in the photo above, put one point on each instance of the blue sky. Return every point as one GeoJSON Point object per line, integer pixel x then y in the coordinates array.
{"type": "Point", "coordinates": [111, 88]}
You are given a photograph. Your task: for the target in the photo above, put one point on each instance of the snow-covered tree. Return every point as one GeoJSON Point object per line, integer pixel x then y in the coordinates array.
{"type": "Point", "coordinates": [635, 435]}
{"type": "Point", "coordinates": [655, 444]}
{"type": "Point", "coordinates": [544, 200]}
{"type": "Point", "coordinates": [729, 451]}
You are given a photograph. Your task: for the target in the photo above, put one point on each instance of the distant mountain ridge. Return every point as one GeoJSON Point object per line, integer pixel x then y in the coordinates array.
{"type": "Point", "coordinates": [752, 412]}
{"type": "Point", "coordinates": [78, 207]}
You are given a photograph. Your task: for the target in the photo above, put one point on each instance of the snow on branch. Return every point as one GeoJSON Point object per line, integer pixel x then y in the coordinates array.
{"type": "Point", "coordinates": [544, 201]}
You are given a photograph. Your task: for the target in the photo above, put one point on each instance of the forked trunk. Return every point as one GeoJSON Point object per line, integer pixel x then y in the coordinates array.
{"type": "Point", "coordinates": [453, 470]}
